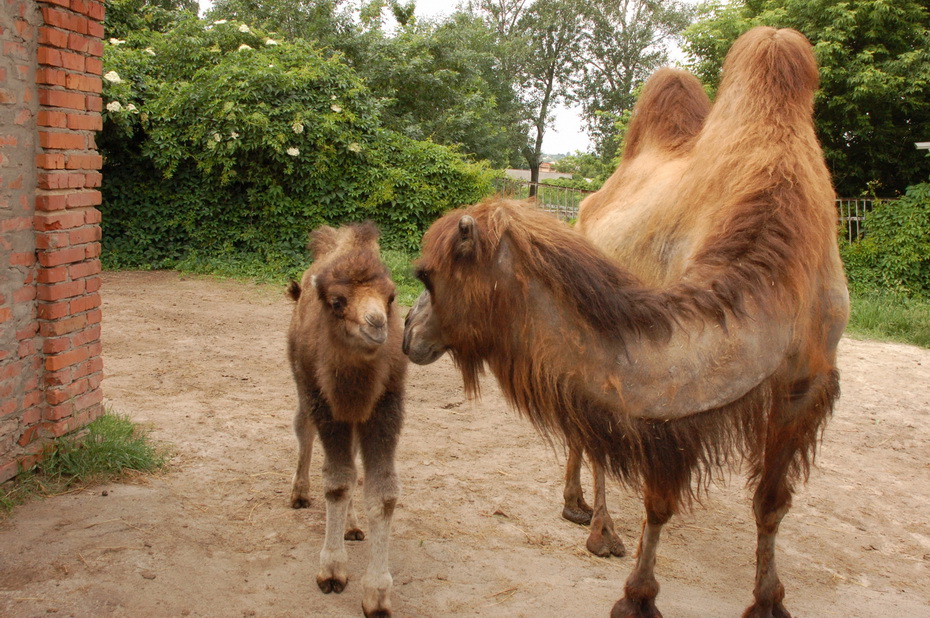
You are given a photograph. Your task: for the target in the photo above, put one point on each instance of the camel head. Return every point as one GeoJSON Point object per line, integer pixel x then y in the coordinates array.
{"type": "Point", "coordinates": [352, 285]}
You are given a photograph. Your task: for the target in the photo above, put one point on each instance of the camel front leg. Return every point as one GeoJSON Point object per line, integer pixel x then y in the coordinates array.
{"type": "Point", "coordinates": [603, 540]}
{"type": "Point", "coordinates": [378, 440]}
{"type": "Point", "coordinates": [576, 509]}
{"type": "Point", "coordinates": [339, 479]}
{"type": "Point", "coordinates": [306, 432]}
{"type": "Point", "coordinates": [641, 586]}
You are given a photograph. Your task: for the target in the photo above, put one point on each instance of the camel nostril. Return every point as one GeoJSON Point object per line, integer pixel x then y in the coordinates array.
{"type": "Point", "coordinates": [375, 320]}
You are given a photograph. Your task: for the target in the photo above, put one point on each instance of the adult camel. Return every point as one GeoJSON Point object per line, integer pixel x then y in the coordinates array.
{"type": "Point", "coordinates": [721, 346]}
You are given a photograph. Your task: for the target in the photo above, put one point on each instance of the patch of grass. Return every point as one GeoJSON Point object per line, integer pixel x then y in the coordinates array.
{"type": "Point", "coordinates": [109, 448]}
{"type": "Point", "coordinates": [400, 265]}
{"type": "Point", "coordinates": [889, 317]}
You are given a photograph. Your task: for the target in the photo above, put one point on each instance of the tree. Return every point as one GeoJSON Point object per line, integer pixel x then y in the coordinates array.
{"type": "Point", "coordinates": [624, 42]}
{"type": "Point", "coordinates": [874, 98]}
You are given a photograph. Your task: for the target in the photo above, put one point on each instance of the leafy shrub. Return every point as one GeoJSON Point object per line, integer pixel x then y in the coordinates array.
{"type": "Point", "coordinates": [895, 254]}
{"type": "Point", "coordinates": [222, 142]}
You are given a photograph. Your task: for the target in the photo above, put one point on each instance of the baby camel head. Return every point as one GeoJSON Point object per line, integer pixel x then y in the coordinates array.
{"type": "Point", "coordinates": [352, 285]}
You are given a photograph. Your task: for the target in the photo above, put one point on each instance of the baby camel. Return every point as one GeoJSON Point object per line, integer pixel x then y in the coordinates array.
{"type": "Point", "coordinates": [344, 347]}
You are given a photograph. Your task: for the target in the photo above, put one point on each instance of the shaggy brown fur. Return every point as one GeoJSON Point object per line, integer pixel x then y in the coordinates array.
{"type": "Point", "coordinates": [716, 337]}
{"type": "Point", "coordinates": [344, 346]}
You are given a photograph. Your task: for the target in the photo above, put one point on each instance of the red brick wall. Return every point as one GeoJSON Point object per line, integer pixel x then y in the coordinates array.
{"type": "Point", "coordinates": [50, 103]}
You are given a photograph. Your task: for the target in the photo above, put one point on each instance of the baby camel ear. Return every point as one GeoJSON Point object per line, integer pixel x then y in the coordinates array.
{"type": "Point", "coordinates": [467, 245]}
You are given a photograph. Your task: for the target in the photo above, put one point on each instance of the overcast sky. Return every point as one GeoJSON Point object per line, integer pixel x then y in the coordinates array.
{"type": "Point", "coordinates": [566, 136]}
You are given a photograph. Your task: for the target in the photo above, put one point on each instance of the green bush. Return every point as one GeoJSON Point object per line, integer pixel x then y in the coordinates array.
{"type": "Point", "coordinates": [221, 143]}
{"type": "Point", "coordinates": [894, 256]}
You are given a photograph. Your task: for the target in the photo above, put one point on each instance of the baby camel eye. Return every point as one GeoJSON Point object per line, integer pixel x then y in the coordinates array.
{"type": "Point", "coordinates": [338, 303]}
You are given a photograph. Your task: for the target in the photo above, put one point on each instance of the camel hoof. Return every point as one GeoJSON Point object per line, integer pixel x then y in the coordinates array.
{"type": "Point", "coordinates": [377, 613]}
{"type": "Point", "coordinates": [605, 546]}
{"type": "Point", "coordinates": [300, 502]}
{"type": "Point", "coordinates": [577, 514]}
{"type": "Point", "coordinates": [759, 611]}
{"type": "Point", "coordinates": [331, 584]}
{"type": "Point", "coordinates": [354, 535]}
{"type": "Point", "coordinates": [635, 608]}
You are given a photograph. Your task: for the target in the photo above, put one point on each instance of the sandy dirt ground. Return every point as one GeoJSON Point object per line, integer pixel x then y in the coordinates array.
{"type": "Point", "coordinates": [477, 531]}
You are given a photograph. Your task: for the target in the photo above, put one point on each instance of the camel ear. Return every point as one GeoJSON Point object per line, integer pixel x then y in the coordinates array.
{"type": "Point", "coordinates": [467, 244]}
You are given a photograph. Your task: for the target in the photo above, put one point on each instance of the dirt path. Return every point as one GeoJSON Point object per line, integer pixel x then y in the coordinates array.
{"type": "Point", "coordinates": [477, 531]}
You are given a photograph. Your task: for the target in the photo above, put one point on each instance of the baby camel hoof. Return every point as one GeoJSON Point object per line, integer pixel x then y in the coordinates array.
{"type": "Point", "coordinates": [331, 584]}
{"type": "Point", "coordinates": [300, 502]}
{"type": "Point", "coordinates": [605, 545]}
{"type": "Point", "coordinates": [577, 514]}
{"type": "Point", "coordinates": [377, 613]}
{"type": "Point", "coordinates": [354, 535]}
{"type": "Point", "coordinates": [759, 611]}
{"type": "Point", "coordinates": [635, 608]}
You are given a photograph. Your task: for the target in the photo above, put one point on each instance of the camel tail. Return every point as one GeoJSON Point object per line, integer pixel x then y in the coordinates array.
{"type": "Point", "coordinates": [669, 113]}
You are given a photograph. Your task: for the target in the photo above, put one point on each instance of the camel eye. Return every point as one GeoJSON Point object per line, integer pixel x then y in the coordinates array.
{"type": "Point", "coordinates": [391, 299]}
{"type": "Point", "coordinates": [423, 276]}
{"type": "Point", "coordinates": [338, 303]}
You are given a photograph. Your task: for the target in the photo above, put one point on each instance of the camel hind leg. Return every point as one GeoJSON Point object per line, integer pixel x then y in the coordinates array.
{"type": "Point", "coordinates": [378, 440]}
{"type": "Point", "coordinates": [603, 540]}
{"type": "Point", "coordinates": [576, 509]}
{"type": "Point", "coordinates": [789, 446]}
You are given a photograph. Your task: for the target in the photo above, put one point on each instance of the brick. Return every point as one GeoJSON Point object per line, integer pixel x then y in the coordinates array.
{"type": "Point", "coordinates": [52, 275]}
{"type": "Point", "coordinates": [94, 66]}
{"type": "Point", "coordinates": [84, 269]}
{"type": "Point", "coordinates": [95, 29]}
{"type": "Point", "coordinates": [58, 378]}
{"type": "Point", "coordinates": [31, 433]}
{"type": "Point", "coordinates": [88, 335]}
{"type": "Point", "coordinates": [66, 359]}
{"type": "Point", "coordinates": [93, 179]}
{"type": "Point", "coordinates": [24, 294]}
{"type": "Point", "coordinates": [79, 43]}
{"type": "Point", "coordinates": [33, 398]}
{"type": "Point", "coordinates": [60, 291]}
{"type": "Point", "coordinates": [85, 303]}
{"type": "Point", "coordinates": [48, 222]}
{"type": "Point", "coordinates": [15, 50]}
{"type": "Point", "coordinates": [62, 256]}
{"type": "Point", "coordinates": [93, 283]}
{"type": "Point", "coordinates": [53, 161]}
{"type": "Point", "coordinates": [51, 241]}
{"type": "Point", "coordinates": [15, 224]}
{"type": "Point", "coordinates": [81, 199]}
{"type": "Point", "coordinates": [26, 349]}
{"type": "Point", "coordinates": [51, 201]}
{"type": "Point", "coordinates": [22, 258]}
{"type": "Point", "coordinates": [49, 56]}
{"type": "Point", "coordinates": [94, 103]}
{"type": "Point", "coordinates": [60, 395]}
{"type": "Point", "coordinates": [53, 37]}
{"type": "Point", "coordinates": [94, 365]}
{"type": "Point", "coordinates": [84, 235]}
{"type": "Point", "coordinates": [27, 332]}
{"type": "Point", "coordinates": [72, 61]}
{"type": "Point", "coordinates": [24, 29]}
{"type": "Point", "coordinates": [85, 162]}
{"type": "Point", "coordinates": [85, 122]}
{"type": "Point", "coordinates": [60, 98]}
{"type": "Point", "coordinates": [63, 326]}
{"type": "Point", "coordinates": [56, 345]}
{"type": "Point", "coordinates": [92, 250]}
{"type": "Point", "coordinates": [9, 140]}
{"type": "Point", "coordinates": [58, 412]}
{"type": "Point", "coordinates": [62, 140]}
{"type": "Point", "coordinates": [48, 118]}
{"type": "Point", "coordinates": [53, 311]}
{"type": "Point", "coordinates": [51, 76]}
{"type": "Point", "coordinates": [93, 317]}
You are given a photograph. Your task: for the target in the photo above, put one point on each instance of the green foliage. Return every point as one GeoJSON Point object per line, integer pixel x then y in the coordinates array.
{"type": "Point", "coordinates": [223, 144]}
{"type": "Point", "coordinates": [109, 447]}
{"type": "Point", "coordinates": [884, 316]}
{"type": "Point", "coordinates": [585, 165]}
{"type": "Point", "coordinates": [874, 98]}
{"type": "Point", "coordinates": [895, 254]}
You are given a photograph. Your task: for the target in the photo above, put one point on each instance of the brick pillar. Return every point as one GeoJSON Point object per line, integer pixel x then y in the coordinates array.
{"type": "Point", "coordinates": [50, 85]}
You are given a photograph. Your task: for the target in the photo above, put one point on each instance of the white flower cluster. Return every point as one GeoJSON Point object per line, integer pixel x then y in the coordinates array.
{"type": "Point", "coordinates": [116, 41]}
{"type": "Point", "coordinates": [293, 151]}
{"type": "Point", "coordinates": [113, 77]}
{"type": "Point", "coordinates": [297, 127]}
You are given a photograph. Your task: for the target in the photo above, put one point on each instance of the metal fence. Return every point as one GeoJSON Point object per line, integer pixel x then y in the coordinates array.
{"type": "Point", "coordinates": [563, 202]}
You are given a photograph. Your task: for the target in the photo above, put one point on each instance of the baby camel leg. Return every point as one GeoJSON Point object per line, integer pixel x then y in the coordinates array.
{"type": "Point", "coordinates": [641, 587]}
{"type": "Point", "coordinates": [576, 509]}
{"type": "Point", "coordinates": [339, 478]}
{"type": "Point", "coordinates": [306, 432]}
{"type": "Point", "coordinates": [603, 540]}
{"type": "Point", "coordinates": [378, 439]}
